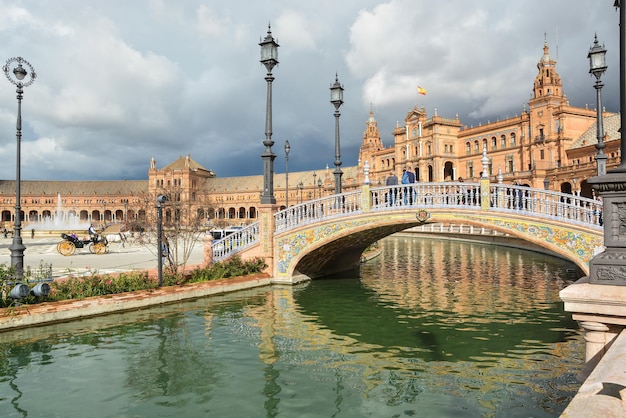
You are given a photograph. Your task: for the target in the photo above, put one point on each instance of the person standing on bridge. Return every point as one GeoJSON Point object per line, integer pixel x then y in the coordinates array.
{"type": "Point", "coordinates": [411, 178]}
{"type": "Point", "coordinates": [392, 180]}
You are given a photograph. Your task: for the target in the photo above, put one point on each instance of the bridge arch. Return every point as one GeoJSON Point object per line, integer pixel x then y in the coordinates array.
{"type": "Point", "coordinates": [336, 246]}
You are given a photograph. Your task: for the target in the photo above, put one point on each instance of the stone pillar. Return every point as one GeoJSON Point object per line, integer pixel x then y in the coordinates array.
{"type": "Point", "coordinates": [366, 198]}
{"type": "Point", "coordinates": [598, 337]}
{"type": "Point", "coordinates": [609, 267]}
{"type": "Point", "coordinates": [207, 242]}
{"type": "Point", "coordinates": [485, 201]}
{"type": "Point", "coordinates": [267, 226]}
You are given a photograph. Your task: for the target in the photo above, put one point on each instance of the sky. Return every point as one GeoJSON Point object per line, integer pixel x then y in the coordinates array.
{"type": "Point", "coordinates": [120, 82]}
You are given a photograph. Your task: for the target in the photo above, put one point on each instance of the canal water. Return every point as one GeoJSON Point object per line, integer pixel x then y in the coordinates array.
{"type": "Point", "coordinates": [432, 328]}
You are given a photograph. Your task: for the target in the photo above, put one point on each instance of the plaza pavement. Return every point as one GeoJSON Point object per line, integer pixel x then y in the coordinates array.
{"type": "Point", "coordinates": [131, 256]}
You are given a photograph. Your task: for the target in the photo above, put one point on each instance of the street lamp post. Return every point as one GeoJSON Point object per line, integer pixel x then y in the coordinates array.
{"type": "Point", "coordinates": [319, 186]}
{"type": "Point", "coordinates": [336, 98]}
{"type": "Point", "coordinates": [269, 58]}
{"type": "Point", "coordinates": [597, 67]}
{"type": "Point", "coordinates": [300, 187]}
{"type": "Point", "coordinates": [17, 247]}
{"type": "Point", "coordinates": [287, 149]}
{"type": "Point", "coordinates": [314, 183]}
{"type": "Point", "coordinates": [161, 251]}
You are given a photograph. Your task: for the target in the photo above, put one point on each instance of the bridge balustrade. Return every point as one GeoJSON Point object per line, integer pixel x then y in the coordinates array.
{"type": "Point", "coordinates": [426, 195]}
{"type": "Point", "coordinates": [236, 242]}
{"type": "Point", "coordinates": [545, 203]}
{"type": "Point", "coordinates": [323, 208]}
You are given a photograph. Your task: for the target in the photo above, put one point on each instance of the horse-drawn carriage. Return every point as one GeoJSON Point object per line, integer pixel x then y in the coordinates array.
{"type": "Point", "coordinates": [97, 244]}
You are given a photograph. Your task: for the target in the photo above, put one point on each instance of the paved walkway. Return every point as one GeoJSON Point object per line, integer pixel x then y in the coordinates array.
{"type": "Point", "coordinates": [42, 250]}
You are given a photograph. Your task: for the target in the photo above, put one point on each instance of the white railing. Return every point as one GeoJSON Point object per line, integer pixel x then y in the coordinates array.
{"type": "Point", "coordinates": [335, 206]}
{"type": "Point", "coordinates": [502, 198]}
{"type": "Point", "coordinates": [547, 204]}
{"type": "Point", "coordinates": [235, 242]}
{"type": "Point", "coordinates": [426, 195]}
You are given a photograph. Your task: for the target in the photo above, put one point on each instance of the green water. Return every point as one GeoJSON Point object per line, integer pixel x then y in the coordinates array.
{"type": "Point", "coordinates": [431, 329]}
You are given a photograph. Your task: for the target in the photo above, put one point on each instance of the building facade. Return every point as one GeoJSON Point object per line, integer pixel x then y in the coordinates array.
{"type": "Point", "coordinates": [549, 144]}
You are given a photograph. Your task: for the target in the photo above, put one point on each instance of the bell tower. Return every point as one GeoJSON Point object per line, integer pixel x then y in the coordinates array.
{"type": "Point", "coordinates": [547, 82]}
{"type": "Point", "coordinates": [371, 140]}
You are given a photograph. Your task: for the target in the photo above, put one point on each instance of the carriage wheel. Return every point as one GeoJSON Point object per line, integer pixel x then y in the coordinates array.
{"type": "Point", "coordinates": [99, 248]}
{"type": "Point", "coordinates": [66, 248]}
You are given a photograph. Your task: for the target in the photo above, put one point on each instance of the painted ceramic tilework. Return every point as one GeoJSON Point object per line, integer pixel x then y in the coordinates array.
{"type": "Point", "coordinates": [290, 246]}
{"type": "Point", "coordinates": [580, 244]}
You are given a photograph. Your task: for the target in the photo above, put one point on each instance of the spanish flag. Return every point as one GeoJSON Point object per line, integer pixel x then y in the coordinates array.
{"type": "Point", "coordinates": [421, 90]}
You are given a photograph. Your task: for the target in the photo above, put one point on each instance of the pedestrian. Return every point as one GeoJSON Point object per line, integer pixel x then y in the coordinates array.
{"type": "Point", "coordinates": [411, 178]}
{"type": "Point", "coordinates": [392, 180]}
{"type": "Point", "coordinates": [405, 190]}
{"type": "Point", "coordinates": [32, 233]}
{"type": "Point", "coordinates": [5, 232]}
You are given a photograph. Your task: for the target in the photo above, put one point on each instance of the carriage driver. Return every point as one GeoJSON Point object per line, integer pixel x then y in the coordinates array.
{"type": "Point", "coordinates": [92, 232]}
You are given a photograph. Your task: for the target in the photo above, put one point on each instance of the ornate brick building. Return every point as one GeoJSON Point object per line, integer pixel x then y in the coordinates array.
{"type": "Point", "coordinates": [550, 143]}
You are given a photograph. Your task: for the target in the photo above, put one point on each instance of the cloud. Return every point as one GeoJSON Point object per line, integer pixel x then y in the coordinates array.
{"type": "Point", "coordinates": [119, 82]}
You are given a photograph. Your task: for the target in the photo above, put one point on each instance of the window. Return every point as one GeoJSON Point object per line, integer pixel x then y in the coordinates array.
{"type": "Point", "coordinates": [494, 143]}
{"type": "Point", "coordinates": [476, 148]}
{"type": "Point", "coordinates": [468, 148]}
{"type": "Point", "coordinates": [513, 140]}
{"type": "Point", "coordinates": [503, 141]}
{"type": "Point", "coordinates": [509, 165]}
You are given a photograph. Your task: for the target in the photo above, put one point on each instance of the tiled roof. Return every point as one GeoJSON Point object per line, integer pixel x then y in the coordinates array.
{"type": "Point", "coordinates": [610, 125]}
{"type": "Point", "coordinates": [180, 164]}
{"type": "Point", "coordinates": [255, 183]}
{"type": "Point", "coordinates": [81, 188]}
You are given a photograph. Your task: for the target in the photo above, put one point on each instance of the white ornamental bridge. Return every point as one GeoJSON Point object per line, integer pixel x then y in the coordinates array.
{"type": "Point", "coordinates": [328, 235]}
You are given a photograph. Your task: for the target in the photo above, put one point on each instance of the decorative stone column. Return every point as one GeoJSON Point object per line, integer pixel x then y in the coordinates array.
{"type": "Point", "coordinates": [598, 339]}
{"type": "Point", "coordinates": [598, 302]}
{"type": "Point", "coordinates": [366, 194]}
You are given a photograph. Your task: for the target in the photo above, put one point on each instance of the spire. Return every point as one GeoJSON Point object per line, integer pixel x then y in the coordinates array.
{"type": "Point", "coordinates": [547, 82]}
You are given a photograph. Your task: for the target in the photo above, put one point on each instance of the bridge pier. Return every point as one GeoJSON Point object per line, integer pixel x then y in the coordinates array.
{"type": "Point", "coordinates": [267, 226]}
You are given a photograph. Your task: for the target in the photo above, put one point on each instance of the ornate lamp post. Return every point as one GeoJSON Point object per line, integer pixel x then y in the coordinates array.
{"type": "Point", "coordinates": [19, 79]}
{"type": "Point", "coordinates": [314, 183]}
{"type": "Point", "coordinates": [300, 187]}
{"type": "Point", "coordinates": [336, 98]}
{"type": "Point", "coordinates": [597, 67]}
{"type": "Point", "coordinates": [269, 58]}
{"type": "Point", "coordinates": [287, 149]}
{"type": "Point", "coordinates": [319, 186]}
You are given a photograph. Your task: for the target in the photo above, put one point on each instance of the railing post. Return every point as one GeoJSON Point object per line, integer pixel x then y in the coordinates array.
{"type": "Point", "coordinates": [207, 242]}
{"type": "Point", "coordinates": [485, 195]}
{"type": "Point", "coordinates": [366, 198]}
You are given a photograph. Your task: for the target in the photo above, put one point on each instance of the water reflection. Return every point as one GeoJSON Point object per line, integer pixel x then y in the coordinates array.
{"type": "Point", "coordinates": [432, 328]}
